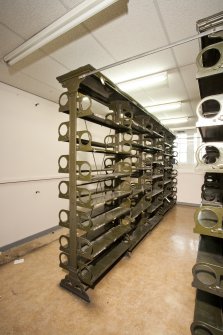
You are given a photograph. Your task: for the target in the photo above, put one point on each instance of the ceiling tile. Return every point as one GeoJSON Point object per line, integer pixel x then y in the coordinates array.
{"type": "Point", "coordinates": [27, 17]}
{"type": "Point", "coordinates": [77, 48]}
{"type": "Point", "coordinates": [69, 4]}
{"type": "Point", "coordinates": [29, 84]}
{"type": "Point", "coordinates": [41, 67]}
{"type": "Point", "coordinates": [128, 30]}
{"type": "Point", "coordinates": [174, 92]}
{"type": "Point", "coordinates": [159, 62]}
{"type": "Point", "coordinates": [189, 77]}
{"type": "Point", "coordinates": [180, 16]}
{"type": "Point", "coordinates": [8, 40]}
{"type": "Point", "coordinates": [186, 53]}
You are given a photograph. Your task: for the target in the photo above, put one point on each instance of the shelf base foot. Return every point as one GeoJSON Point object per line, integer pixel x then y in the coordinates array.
{"type": "Point", "coordinates": [74, 286]}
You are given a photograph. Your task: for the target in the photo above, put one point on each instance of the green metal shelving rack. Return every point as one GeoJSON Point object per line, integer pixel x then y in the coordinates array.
{"type": "Point", "coordinates": [112, 207]}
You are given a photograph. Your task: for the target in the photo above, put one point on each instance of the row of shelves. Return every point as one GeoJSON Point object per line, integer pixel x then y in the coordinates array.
{"type": "Point", "coordinates": [208, 270]}
{"type": "Point", "coordinates": [121, 177]}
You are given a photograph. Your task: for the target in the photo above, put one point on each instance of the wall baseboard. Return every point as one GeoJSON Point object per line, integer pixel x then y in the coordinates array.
{"type": "Point", "coordinates": [188, 204]}
{"type": "Point", "coordinates": [29, 238]}
{"type": "Point", "coordinates": [22, 247]}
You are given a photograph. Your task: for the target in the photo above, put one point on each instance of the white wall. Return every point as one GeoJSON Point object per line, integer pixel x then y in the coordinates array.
{"type": "Point", "coordinates": [190, 180]}
{"type": "Point", "coordinates": [29, 152]}
{"type": "Point", "coordinates": [189, 184]}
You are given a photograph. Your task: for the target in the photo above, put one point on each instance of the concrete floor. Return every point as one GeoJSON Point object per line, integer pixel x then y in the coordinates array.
{"type": "Point", "coordinates": [149, 293]}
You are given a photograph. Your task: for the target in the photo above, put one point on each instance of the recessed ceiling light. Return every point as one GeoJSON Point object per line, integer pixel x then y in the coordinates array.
{"type": "Point", "coordinates": [165, 107]}
{"type": "Point", "coordinates": [174, 120]}
{"type": "Point", "coordinates": [143, 82]}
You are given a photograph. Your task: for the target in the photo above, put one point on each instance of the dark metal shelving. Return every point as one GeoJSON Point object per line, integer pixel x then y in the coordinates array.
{"type": "Point", "coordinates": [111, 208]}
{"type": "Point", "coordinates": [207, 314]}
{"type": "Point", "coordinates": [208, 270]}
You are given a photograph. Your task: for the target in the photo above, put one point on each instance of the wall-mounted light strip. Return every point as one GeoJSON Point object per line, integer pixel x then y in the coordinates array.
{"type": "Point", "coordinates": [165, 107]}
{"type": "Point", "coordinates": [74, 17]}
{"type": "Point", "coordinates": [150, 80]}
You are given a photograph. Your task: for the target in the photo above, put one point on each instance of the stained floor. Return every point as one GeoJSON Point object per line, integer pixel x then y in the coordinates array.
{"type": "Point", "coordinates": [148, 293]}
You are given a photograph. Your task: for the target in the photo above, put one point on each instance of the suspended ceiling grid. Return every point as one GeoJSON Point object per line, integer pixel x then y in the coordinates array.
{"type": "Point", "coordinates": [122, 30]}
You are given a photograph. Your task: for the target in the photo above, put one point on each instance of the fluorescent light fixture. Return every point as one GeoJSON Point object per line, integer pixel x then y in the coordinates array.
{"type": "Point", "coordinates": [174, 121]}
{"type": "Point", "coordinates": [74, 17]}
{"type": "Point", "coordinates": [182, 128]}
{"type": "Point", "coordinates": [143, 82]}
{"type": "Point", "coordinates": [165, 107]}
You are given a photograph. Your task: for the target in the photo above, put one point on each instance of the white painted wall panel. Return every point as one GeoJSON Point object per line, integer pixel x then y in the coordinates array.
{"type": "Point", "coordinates": [189, 186]}
{"type": "Point", "coordinates": [28, 135]}
{"type": "Point", "coordinates": [29, 151]}
{"type": "Point", "coordinates": [28, 208]}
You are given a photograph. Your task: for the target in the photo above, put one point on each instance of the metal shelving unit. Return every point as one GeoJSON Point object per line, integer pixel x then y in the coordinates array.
{"type": "Point", "coordinates": [111, 207]}
{"type": "Point", "coordinates": [208, 270]}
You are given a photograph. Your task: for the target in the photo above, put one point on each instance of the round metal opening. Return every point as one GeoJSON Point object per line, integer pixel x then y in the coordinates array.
{"type": "Point", "coordinates": [63, 216]}
{"type": "Point", "coordinates": [210, 154]}
{"type": "Point", "coordinates": [85, 103]}
{"type": "Point", "coordinates": [208, 195]}
{"type": "Point", "coordinates": [85, 138]}
{"type": "Point", "coordinates": [201, 330]}
{"type": "Point", "coordinates": [205, 274]}
{"type": "Point", "coordinates": [207, 218]}
{"type": "Point", "coordinates": [127, 137]}
{"type": "Point", "coordinates": [63, 259]}
{"type": "Point", "coordinates": [63, 129]}
{"type": "Point", "coordinates": [63, 187]}
{"type": "Point", "coordinates": [210, 57]}
{"type": "Point", "coordinates": [85, 169]}
{"type": "Point", "coordinates": [63, 162]}
{"type": "Point", "coordinates": [63, 99]}
{"type": "Point", "coordinates": [209, 108]}
{"type": "Point", "coordinates": [64, 241]}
